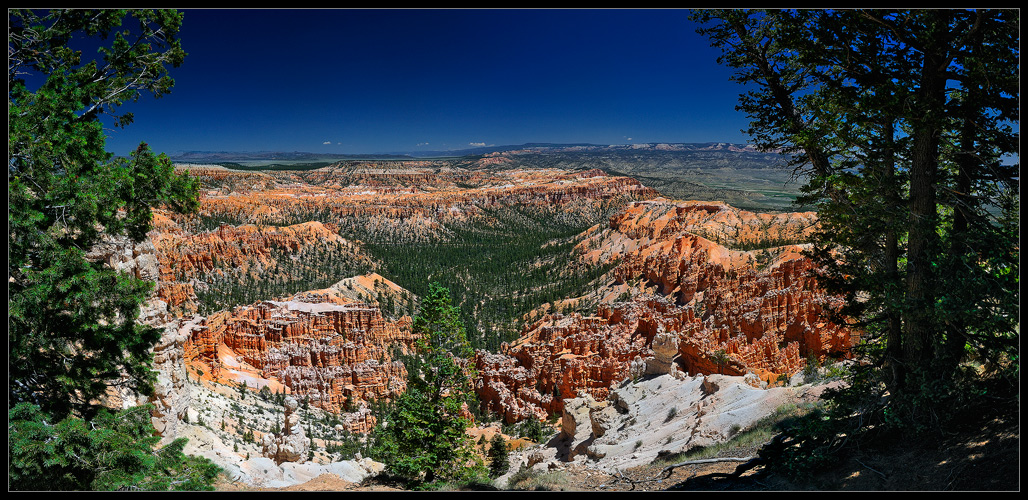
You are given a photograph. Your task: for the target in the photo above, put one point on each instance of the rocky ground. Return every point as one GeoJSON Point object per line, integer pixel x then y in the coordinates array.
{"type": "Point", "coordinates": [982, 455]}
{"type": "Point", "coordinates": [987, 459]}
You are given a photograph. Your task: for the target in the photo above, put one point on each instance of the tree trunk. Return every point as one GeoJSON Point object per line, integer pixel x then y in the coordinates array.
{"type": "Point", "coordinates": [890, 257]}
{"type": "Point", "coordinates": [956, 328]}
{"type": "Point", "coordinates": [919, 334]}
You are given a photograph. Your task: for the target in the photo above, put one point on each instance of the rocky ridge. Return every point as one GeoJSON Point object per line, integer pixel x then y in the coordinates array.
{"type": "Point", "coordinates": [322, 346]}
{"type": "Point", "coordinates": [260, 226]}
{"type": "Point", "coordinates": [407, 201]}
{"type": "Point", "coordinates": [273, 231]}
{"type": "Point", "coordinates": [694, 305]}
{"type": "Point", "coordinates": [658, 416]}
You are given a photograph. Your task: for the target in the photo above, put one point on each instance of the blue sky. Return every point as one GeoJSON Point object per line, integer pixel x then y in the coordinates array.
{"type": "Point", "coordinates": [376, 81]}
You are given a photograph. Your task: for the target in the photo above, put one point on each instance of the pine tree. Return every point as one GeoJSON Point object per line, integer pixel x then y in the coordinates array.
{"type": "Point", "coordinates": [72, 318]}
{"type": "Point", "coordinates": [499, 461]}
{"type": "Point", "coordinates": [900, 122]}
{"type": "Point", "coordinates": [113, 451]}
{"type": "Point", "coordinates": [423, 439]}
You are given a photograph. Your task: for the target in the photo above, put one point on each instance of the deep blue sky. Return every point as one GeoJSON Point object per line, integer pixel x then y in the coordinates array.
{"type": "Point", "coordinates": [375, 81]}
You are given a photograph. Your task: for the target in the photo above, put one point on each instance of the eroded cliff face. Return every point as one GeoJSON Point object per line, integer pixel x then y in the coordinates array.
{"type": "Point", "coordinates": [282, 232]}
{"type": "Point", "coordinates": [332, 346]}
{"type": "Point", "coordinates": [692, 280]}
{"type": "Point", "coordinates": [192, 262]}
{"type": "Point", "coordinates": [321, 346]}
{"type": "Point", "coordinates": [409, 201]}
{"type": "Point", "coordinates": [677, 300]}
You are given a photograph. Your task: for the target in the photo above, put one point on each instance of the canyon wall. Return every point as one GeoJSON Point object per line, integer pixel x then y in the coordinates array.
{"type": "Point", "coordinates": [279, 231]}
{"type": "Point", "coordinates": [282, 231]}
{"type": "Point", "coordinates": [333, 352]}
{"type": "Point", "coordinates": [696, 287]}
{"type": "Point", "coordinates": [678, 299]}
{"type": "Point", "coordinates": [409, 202]}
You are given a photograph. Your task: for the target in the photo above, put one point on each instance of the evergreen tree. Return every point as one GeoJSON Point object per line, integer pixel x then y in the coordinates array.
{"type": "Point", "coordinates": [114, 451]}
{"type": "Point", "coordinates": [900, 121]}
{"type": "Point", "coordinates": [499, 461]}
{"type": "Point", "coordinates": [72, 318]}
{"type": "Point", "coordinates": [423, 439]}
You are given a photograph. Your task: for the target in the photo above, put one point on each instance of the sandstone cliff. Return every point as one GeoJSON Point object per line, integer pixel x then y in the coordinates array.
{"type": "Point", "coordinates": [323, 347]}
{"type": "Point", "coordinates": [264, 232]}
{"type": "Point", "coordinates": [261, 235]}
{"type": "Point", "coordinates": [197, 262]}
{"type": "Point", "coordinates": [407, 202]}
{"type": "Point", "coordinates": [677, 300]}
{"type": "Point", "coordinates": [698, 287]}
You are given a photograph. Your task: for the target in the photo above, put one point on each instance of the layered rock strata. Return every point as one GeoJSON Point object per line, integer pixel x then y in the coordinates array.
{"type": "Point", "coordinates": [191, 261]}
{"type": "Point", "coordinates": [249, 222]}
{"type": "Point", "coordinates": [411, 202]}
{"type": "Point", "coordinates": [678, 302]}
{"type": "Point", "coordinates": [334, 352]}
{"type": "Point", "coordinates": [333, 346]}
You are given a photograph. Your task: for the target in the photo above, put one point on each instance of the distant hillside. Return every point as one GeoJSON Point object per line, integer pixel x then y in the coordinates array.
{"type": "Point", "coordinates": [547, 147]}
{"type": "Point", "coordinates": [538, 147]}
{"type": "Point", "coordinates": [737, 174]}
{"type": "Point", "coordinates": [258, 157]}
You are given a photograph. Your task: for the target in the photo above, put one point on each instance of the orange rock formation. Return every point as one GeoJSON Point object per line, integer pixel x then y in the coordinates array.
{"type": "Point", "coordinates": [332, 346]}
{"type": "Point", "coordinates": [323, 347]}
{"type": "Point", "coordinates": [299, 213]}
{"type": "Point", "coordinates": [693, 279]}
{"type": "Point", "coordinates": [414, 200]}
{"type": "Point", "coordinates": [188, 260]}
{"type": "Point", "coordinates": [679, 293]}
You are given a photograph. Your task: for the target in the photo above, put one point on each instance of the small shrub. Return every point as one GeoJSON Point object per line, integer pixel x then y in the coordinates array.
{"type": "Point", "coordinates": [527, 479]}
{"type": "Point", "coordinates": [811, 369]}
{"type": "Point", "coordinates": [783, 379]}
{"type": "Point", "coordinates": [837, 371]}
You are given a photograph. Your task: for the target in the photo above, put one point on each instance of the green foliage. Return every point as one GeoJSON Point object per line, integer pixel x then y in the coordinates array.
{"type": "Point", "coordinates": [529, 428]}
{"type": "Point", "coordinates": [499, 456]}
{"type": "Point", "coordinates": [503, 271]}
{"type": "Point", "coordinates": [811, 368]}
{"type": "Point", "coordinates": [423, 438]}
{"type": "Point", "coordinates": [113, 451]}
{"type": "Point", "coordinates": [721, 358]}
{"type": "Point", "coordinates": [913, 196]}
{"type": "Point", "coordinates": [671, 414]}
{"type": "Point", "coordinates": [528, 479]}
{"type": "Point", "coordinates": [72, 318]}
{"type": "Point", "coordinates": [289, 272]}
{"type": "Point", "coordinates": [900, 121]}
{"type": "Point", "coordinates": [348, 446]}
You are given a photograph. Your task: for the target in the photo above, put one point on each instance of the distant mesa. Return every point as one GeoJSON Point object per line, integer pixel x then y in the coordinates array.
{"type": "Point", "coordinates": [298, 156]}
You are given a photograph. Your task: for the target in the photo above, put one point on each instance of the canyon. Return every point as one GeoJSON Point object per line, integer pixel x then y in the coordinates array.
{"type": "Point", "coordinates": [678, 299]}
{"type": "Point", "coordinates": [280, 284]}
